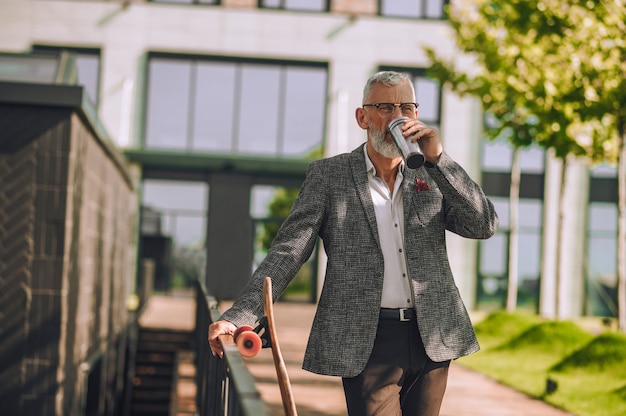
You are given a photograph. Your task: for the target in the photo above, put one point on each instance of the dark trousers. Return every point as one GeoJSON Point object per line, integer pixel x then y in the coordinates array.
{"type": "Point", "coordinates": [399, 378]}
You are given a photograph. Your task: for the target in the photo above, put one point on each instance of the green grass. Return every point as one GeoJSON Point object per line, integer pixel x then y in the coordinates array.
{"type": "Point", "coordinates": [524, 351]}
{"type": "Point", "coordinates": [593, 374]}
{"type": "Point", "coordinates": [500, 326]}
{"type": "Point", "coordinates": [604, 354]}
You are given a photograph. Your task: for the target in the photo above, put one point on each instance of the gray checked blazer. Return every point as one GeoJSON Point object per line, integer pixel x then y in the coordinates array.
{"type": "Point", "coordinates": [334, 203]}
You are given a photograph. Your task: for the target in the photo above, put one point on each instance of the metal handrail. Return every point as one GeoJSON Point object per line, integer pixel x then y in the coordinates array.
{"type": "Point", "coordinates": [224, 385]}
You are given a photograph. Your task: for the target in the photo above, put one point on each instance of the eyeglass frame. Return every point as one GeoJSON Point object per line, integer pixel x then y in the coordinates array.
{"type": "Point", "coordinates": [377, 105]}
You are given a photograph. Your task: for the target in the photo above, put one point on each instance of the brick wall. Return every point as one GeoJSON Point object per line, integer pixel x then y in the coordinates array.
{"type": "Point", "coordinates": [17, 213]}
{"type": "Point", "coordinates": [66, 210]}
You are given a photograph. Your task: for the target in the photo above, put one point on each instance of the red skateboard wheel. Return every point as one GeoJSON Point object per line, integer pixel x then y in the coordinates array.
{"type": "Point", "coordinates": [239, 330]}
{"type": "Point", "coordinates": [248, 342]}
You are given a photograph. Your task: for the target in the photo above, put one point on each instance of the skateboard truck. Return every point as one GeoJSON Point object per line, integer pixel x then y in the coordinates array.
{"type": "Point", "coordinates": [262, 330]}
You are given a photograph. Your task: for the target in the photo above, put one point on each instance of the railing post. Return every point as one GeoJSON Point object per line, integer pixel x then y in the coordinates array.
{"type": "Point", "coordinates": [224, 385]}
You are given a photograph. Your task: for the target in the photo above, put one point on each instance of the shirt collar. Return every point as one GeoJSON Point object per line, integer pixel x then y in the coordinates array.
{"type": "Point", "coordinates": [369, 166]}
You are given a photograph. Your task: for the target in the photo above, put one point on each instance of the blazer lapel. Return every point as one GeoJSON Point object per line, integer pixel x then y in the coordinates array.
{"type": "Point", "coordinates": [408, 189]}
{"type": "Point", "coordinates": [359, 174]}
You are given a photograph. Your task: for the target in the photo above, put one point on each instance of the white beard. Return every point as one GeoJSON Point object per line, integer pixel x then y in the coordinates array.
{"type": "Point", "coordinates": [387, 149]}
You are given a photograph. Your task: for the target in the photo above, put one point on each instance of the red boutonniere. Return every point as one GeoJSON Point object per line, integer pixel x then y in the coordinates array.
{"type": "Point", "coordinates": [421, 185]}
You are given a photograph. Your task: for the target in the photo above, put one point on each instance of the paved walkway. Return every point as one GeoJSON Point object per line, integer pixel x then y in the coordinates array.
{"type": "Point", "coordinates": [468, 393]}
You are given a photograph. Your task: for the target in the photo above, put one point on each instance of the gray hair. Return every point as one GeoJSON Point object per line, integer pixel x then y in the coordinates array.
{"type": "Point", "coordinates": [388, 78]}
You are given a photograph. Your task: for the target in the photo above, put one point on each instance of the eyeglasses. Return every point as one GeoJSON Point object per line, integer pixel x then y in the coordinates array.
{"type": "Point", "coordinates": [387, 109]}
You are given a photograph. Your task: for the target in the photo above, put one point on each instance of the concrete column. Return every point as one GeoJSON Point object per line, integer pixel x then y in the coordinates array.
{"type": "Point", "coordinates": [229, 234]}
{"type": "Point", "coordinates": [573, 239]}
{"type": "Point", "coordinates": [461, 139]}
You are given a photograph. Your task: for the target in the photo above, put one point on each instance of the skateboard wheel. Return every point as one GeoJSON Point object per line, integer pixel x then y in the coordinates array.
{"type": "Point", "coordinates": [240, 330]}
{"type": "Point", "coordinates": [249, 343]}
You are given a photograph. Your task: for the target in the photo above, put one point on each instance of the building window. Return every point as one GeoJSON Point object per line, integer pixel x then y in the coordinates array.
{"type": "Point", "coordinates": [601, 281]}
{"type": "Point", "coordinates": [28, 68]}
{"type": "Point", "coordinates": [497, 159]}
{"type": "Point", "coordinates": [240, 107]}
{"type": "Point", "coordinates": [87, 67]}
{"type": "Point", "coordinates": [173, 230]}
{"type": "Point", "coordinates": [416, 9]}
{"type": "Point", "coordinates": [296, 5]}
{"type": "Point", "coordinates": [427, 94]}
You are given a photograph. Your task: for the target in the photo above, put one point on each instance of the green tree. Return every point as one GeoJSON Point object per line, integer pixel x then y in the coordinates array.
{"type": "Point", "coordinates": [279, 208]}
{"type": "Point", "coordinates": [281, 204]}
{"type": "Point", "coordinates": [550, 72]}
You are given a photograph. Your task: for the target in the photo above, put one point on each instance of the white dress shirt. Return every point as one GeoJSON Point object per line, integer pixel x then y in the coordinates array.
{"type": "Point", "coordinates": [390, 222]}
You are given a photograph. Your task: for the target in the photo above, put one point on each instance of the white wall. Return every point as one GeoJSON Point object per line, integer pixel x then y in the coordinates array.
{"type": "Point", "coordinates": [125, 35]}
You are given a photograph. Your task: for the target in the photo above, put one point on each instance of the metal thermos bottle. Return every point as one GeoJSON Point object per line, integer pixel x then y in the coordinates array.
{"type": "Point", "coordinates": [409, 149]}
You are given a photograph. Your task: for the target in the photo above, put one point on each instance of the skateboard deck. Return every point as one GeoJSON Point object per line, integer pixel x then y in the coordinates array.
{"type": "Point", "coordinates": [249, 343]}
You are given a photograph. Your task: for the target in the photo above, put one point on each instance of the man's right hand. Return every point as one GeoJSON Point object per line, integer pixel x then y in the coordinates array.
{"type": "Point", "coordinates": [216, 329]}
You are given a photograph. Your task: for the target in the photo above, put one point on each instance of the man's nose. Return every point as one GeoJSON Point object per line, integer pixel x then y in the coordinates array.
{"type": "Point", "coordinates": [397, 112]}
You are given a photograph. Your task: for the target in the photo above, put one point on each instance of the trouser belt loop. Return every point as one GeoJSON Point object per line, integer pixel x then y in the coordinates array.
{"type": "Point", "coordinates": [403, 317]}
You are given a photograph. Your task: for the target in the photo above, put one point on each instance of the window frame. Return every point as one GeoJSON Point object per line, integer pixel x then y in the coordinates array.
{"type": "Point", "coordinates": [186, 3]}
{"type": "Point", "coordinates": [55, 50]}
{"type": "Point", "coordinates": [192, 59]}
{"type": "Point", "coordinates": [496, 184]}
{"type": "Point", "coordinates": [419, 72]}
{"type": "Point", "coordinates": [282, 7]}
{"type": "Point", "coordinates": [422, 14]}
{"type": "Point", "coordinates": [603, 190]}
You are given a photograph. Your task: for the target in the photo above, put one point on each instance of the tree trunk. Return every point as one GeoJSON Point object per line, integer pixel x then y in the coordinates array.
{"type": "Point", "coordinates": [511, 298]}
{"type": "Point", "coordinates": [621, 230]}
{"type": "Point", "coordinates": [559, 239]}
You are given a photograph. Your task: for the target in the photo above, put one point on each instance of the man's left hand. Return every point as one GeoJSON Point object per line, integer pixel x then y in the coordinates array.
{"type": "Point", "coordinates": [426, 136]}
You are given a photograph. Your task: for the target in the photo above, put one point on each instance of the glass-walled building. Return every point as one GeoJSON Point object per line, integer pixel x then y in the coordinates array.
{"type": "Point", "coordinates": [220, 105]}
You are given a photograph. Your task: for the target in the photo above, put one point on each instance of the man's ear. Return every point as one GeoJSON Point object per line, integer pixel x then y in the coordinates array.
{"type": "Point", "coordinates": [361, 118]}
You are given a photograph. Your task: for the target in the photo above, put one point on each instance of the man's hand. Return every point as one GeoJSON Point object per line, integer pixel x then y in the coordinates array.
{"type": "Point", "coordinates": [429, 141]}
{"type": "Point", "coordinates": [217, 329]}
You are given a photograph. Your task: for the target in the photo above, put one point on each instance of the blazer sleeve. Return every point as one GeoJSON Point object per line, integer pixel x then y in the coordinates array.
{"type": "Point", "coordinates": [468, 211]}
{"type": "Point", "coordinates": [290, 249]}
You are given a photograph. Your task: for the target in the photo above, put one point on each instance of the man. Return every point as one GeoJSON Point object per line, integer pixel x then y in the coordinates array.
{"type": "Point", "coordinates": [390, 317]}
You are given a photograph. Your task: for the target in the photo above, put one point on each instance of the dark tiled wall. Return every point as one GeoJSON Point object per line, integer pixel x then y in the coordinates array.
{"type": "Point", "coordinates": [66, 211]}
{"type": "Point", "coordinates": [17, 213]}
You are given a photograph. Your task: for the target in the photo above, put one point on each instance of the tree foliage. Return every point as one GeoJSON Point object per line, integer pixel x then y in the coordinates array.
{"type": "Point", "coordinates": [550, 72]}
{"type": "Point", "coordinates": [280, 205]}
{"type": "Point", "coordinates": [279, 209]}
